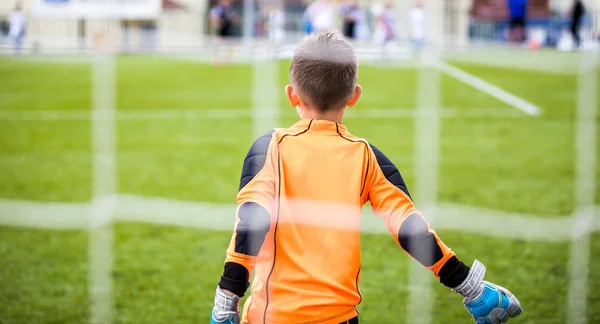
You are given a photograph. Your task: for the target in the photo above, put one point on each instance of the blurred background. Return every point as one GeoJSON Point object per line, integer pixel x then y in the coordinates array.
{"type": "Point", "coordinates": [124, 125]}
{"type": "Point", "coordinates": [68, 26]}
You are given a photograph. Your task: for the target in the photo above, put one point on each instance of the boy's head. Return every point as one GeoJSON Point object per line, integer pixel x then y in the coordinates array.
{"type": "Point", "coordinates": [323, 74]}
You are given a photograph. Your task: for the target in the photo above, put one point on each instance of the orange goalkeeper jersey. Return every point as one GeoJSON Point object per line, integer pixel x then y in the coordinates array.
{"type": "Point", "coordinates": [298, 224]}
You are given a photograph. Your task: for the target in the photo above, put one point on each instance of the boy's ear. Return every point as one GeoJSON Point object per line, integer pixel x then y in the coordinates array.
{"type": "Point", "coordinates": [292, 96]}
{"type": "Point", "coordinates": [355, 96]}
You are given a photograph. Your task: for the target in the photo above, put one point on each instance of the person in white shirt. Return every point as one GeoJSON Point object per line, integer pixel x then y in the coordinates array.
{"type": "Point", "coordinates": [361, 29]}
{"type": "Point", "coordinates": [276, 23]}
{"type": "Point", "coordinates": [16, 30]}
{"type": "Point", "coordinates": [385, 17]}
{"type": "Point", "coordinates": [320, 15]}
{"type": "Point", "coordinates": [416, 17]}
{"type": "Point", "coordinates": [276, 28]}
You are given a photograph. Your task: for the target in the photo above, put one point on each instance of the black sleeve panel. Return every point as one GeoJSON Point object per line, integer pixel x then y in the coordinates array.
{"type": "Point", "coordinates": [416, 239]}
{"type": "Point", "coordinates": [255, 159]}
{"type": "Point", "coordinates": [389, 170]}
{"type": "Point", "coordinates": [453, 272]}
{"type": "Point", "coordinates": [235, 278]}
{"type": "Point", "coordinates": [252, 228]}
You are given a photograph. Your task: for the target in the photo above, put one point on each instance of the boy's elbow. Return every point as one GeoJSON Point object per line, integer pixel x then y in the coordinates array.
{"type": "Point", "coordinates": [253, 226]}
{"type": "Point", "coordinates": [415, 237]}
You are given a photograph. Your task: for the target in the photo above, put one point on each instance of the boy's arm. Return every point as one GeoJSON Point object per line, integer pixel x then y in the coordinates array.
{"type": "Point", "coordinates": [390, 200]}
{"type": "Point", "coordinates": [253, 221]}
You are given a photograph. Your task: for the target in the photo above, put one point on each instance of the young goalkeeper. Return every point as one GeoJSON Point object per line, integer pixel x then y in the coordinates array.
{"type": "Point", "coordinates": [299, 204]}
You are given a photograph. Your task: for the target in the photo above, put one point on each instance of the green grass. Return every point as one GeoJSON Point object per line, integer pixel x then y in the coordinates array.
{"type": "Point", "coordinates": [43, 276]}
{"type": "Point", "coordinates": [165, 274]}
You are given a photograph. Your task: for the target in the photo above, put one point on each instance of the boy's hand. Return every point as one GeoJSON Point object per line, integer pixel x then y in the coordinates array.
{"type": "Point", "coordinates": [488, 303]}
{"type": "Point", "coordinates": [225, 310]}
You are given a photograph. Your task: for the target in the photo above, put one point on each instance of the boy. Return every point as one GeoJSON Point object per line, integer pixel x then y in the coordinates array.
{"type": "Point", "coordinates": [300, 199]}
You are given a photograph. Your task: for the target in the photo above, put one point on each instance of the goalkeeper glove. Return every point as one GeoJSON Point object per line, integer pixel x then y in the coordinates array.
{"type": "Point", "coordinates": [225, 310]}
{"type": "Point", "coordinates": [486, 302]}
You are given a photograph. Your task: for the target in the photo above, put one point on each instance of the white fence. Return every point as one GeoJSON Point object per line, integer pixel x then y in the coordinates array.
{"type": "Point", "coordinates": [448, 23]}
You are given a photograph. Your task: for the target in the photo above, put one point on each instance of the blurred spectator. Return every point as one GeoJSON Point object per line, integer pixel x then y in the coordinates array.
{"type": "Point", "coordinates": [306, 26]}
{"type": "Point", "coordinates": [319, 16]}
{"type": "Point", "coordinates": [577, 13]}
{"type": "Point", "coordinates": [350, 15]}
{"type": "Point", "coordinates": [417, 22]}
{"type": "Point", "coordinates": [16, 29]}
{"type": "Point", "coordinates": [224, 18]}
{"type": "Point", "coordinates": [361, 28]}
{"type": "Point", "coordinates": [518, 19]}
{"type": "Point", "coordinates": [5, 26]}
{"type": "Point", "coordinates": [385, 21]}
{"type": "Point", "coordinates": [276, 24]}
{"type": "Point", "coordinates": [261, 21]}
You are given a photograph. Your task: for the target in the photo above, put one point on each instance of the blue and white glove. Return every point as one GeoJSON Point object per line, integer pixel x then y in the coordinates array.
{"type": "Point", "coordinates": [486, 302]}
{"type": "Point", "coordinates": [225, 310]}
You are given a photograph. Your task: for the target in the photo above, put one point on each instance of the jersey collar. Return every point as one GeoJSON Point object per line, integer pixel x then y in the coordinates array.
{"type": "Point", "coordinates": [321, 126]}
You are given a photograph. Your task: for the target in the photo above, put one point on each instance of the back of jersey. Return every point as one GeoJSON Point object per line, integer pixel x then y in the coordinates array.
{"type": "Point", "coordinates": [315, 250]}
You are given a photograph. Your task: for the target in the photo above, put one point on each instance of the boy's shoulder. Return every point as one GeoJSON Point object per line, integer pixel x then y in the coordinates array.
{"type": "Point", "coordinates": [277, 134]}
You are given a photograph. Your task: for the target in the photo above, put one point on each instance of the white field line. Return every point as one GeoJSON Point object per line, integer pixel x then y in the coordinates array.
{"type": "Point", "coordinates": [67, 59]}
{"type": "Point", "coordinates": [214, 113]}
{"type": "Point", "coordinates": [214, 216]}
{"type": "Point", "coordinates": [585, 187]}
{"type": "Point", "coordinates": [516, 59]}
{"type": "Point", "coordinates": [547, 62]}
{"type": "Point", "coordinates": [487, 87]}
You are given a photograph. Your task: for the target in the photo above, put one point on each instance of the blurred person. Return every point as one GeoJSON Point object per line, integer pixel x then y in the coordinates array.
{"type": "Point", "coordinates": [416, 16]}
{"type": "Point", "coordinates": [350, 14]}
{"type": "Point", "coordinates": [300, 199]}
{"type": "Point", "coordinates": [223, 19]}
{"type": "Point", "coordinates": [361, 28]}
{"type": "Point", "coordinates": [577, 13]}
{"type": "Point", "coordinates": [5, 25]}
{"type": "Point", "coordinates": [320, 15]}
{"type": "Point", "coordinates": [261, 21]}
{"type": "Point", "coordinates": [518, 20]}
{"type": "Point", "coordinates": [17, 23]}
{"type": "Point", "coordinates": [305, 22]}
{"type": "Point", "coordinates": [276, 23]}
{"type": "Point", "coordinates": [385, 26]}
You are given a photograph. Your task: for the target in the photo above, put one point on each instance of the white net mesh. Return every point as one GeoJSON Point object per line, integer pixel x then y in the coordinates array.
{"type": "Point", "coordinates": [120, 172]}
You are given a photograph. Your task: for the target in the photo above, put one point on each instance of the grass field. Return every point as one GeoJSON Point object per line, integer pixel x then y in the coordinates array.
{"type": "Point", "coordinates": [492, 156]}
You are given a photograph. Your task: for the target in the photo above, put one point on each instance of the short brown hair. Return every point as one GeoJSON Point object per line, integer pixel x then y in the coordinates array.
{"type": "Point", "coordinates": [324, 70]}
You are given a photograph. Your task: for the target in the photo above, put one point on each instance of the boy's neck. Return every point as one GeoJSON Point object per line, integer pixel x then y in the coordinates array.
{"type": "Point", "coordinates": [332, 115]}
